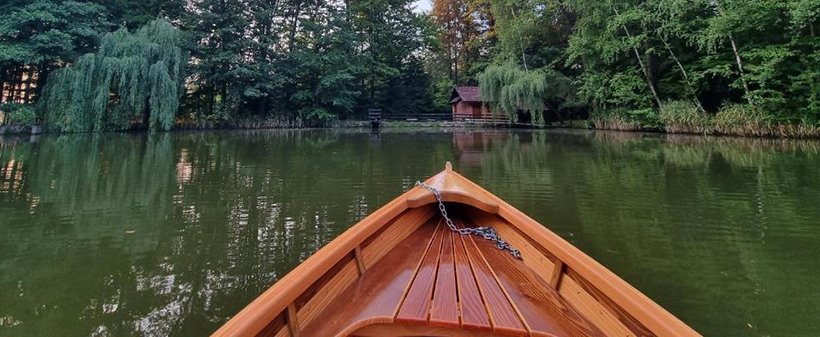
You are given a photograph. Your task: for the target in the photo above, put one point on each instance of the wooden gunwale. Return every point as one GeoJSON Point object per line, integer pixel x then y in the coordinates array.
{"type": "Point", "coordinates": [635, 303]}
{"type": "Point", "coordinates": [254, 317]}
{"type": "Point", "coordinates": [454, 188]}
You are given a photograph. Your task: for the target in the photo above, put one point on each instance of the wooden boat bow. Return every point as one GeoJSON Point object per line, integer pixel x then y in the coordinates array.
{"type": "Point", "coordinates": [400, 272]}
{"type": "Point", "coordinates": [453, 188]}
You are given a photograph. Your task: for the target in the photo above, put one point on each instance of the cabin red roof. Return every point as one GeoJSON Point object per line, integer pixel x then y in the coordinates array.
{"type": "Point", "coordinates": [467, 94]}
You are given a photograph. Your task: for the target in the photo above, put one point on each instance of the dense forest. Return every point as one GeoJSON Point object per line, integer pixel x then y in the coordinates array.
{"type": "Point", "coordinates": [703, 66]}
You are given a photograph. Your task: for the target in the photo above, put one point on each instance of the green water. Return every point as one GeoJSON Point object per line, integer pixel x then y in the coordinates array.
{"type": "Point", "coordinates": [171, 234]}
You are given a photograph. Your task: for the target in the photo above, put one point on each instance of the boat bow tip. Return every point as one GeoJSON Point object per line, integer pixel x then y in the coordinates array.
{"type": "Point", "coordinates": [453, 188]}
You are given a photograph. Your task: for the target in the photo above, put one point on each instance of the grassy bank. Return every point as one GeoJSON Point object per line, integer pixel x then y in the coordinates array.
{"type": "Point", "coordinates": [680, 117]}
{"type": "Point", "coordinates": [676, 117]}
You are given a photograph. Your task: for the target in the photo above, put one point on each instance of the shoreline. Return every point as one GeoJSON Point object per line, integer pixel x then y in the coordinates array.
{"type": "Point", "coordinates": [773, 131]}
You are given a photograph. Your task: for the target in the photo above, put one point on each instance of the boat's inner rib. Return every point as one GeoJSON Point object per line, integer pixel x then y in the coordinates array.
{"type": "Point", "coordinates": [437, 282]}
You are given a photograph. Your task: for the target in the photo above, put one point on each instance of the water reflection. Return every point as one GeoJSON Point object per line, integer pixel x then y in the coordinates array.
{"type": "Point", "coordinates": [170, 234]}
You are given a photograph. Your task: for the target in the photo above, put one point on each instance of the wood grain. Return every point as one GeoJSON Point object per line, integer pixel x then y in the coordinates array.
{"type": "Point", "coordinates": [395, 232]}
{"type": "Point", "coordinates": [416, 305]}
{"type": "Point", "coordinates": [650, 314]}
{"type": "Point", "coordinates": [557, 275]}
{"type": "Point", "coordinates": [596, 288]}
{"type": "Point", "coordinates": [630, 322]}
{"type": "Point", "coordinates": [274, 326]}
{"type": "Point", "coordinates": [320, 283]}
{"type": "Point", "coordinates": [359, 260]}
{"type": "Point", "coordinates": [427, 249]}
{"type": "Point", "coordinates": [376, 295]}
{"type": "Point", "coordinates": [473, 311]}
{"type": "Point", "coordinates": [314, 307]}
{"type": "Point", "coordinates": [503, 317]}
{"type": "Point", "coordinates": [405, 330]}
{"type": "Point", "coordinates": [283, 332]}
{"type": "Point", "coordinates": [265, 308]}
{"type": "Point", "coordinates": [444, 309]}
{"type": "Point", "coordinates": [293, 321]}
{"type": "Point", "coordinates": [541, 307]}
{"type": "Point", "coordinates": [592, 310]}
{"type": "Point", "coordinates": [541, 262]}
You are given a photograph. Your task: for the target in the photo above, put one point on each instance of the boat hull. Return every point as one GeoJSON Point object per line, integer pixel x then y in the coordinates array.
{"type": "Point", "coordinates": [401, 271]}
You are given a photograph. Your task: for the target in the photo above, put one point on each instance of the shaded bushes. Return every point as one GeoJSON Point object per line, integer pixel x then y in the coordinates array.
{"type": "Point", "coordinates": [18, 114]}
{"type": "Point", "coordinates": [626, 120]}
{"type": "Point", "coordinates": [685, 117]}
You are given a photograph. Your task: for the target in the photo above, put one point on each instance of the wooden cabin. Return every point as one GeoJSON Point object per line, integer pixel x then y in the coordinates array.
{"type": "Point", "coordinates": [467, 104]}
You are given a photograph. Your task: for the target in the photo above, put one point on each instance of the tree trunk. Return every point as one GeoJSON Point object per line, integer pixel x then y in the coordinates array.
{"type": "Point", "coordinates": [29, 83]}
{"type": "Point", "coordinates": [294, 26]}
{"type": "Point", "coordinates": [520, 37]}
{"type": "Point", "coordinates": [263, 105]}
{"type": "Point", "coordinates": [738, 59]}
{"type": "Point", "coordinates": [42, 78]}
{"type": "Point", "coordinates": [685, 75]}
{"type": "Point", "coordinates": [740, 68]}
{"type": "Point", "coordinates": [18, 85]}
{"type": "Point", "coordinates": [643, 67]}
{"type": "Point", "coordinates": [211, 99]}
{"type": "Point", "coordinates": [455, 64]}
{"type": "Point", "coordinates": [146, 114]}
{"type": "Point", "coordinates": [2, 89]}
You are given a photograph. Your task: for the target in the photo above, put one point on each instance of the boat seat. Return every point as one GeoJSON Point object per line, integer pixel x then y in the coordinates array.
{"type": "Point", "coordinates": [438, 279]}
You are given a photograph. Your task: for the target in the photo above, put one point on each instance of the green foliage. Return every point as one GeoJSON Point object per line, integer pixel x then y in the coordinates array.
{"type": "Point", "coordinates": [325, 70]}
{"type": "Point", "coordinates": [133, 77]}
{"type": "Point", "coordinates": [307, 60]}
{"type": "Point", "coordinates": [736, 115]}
{"type": "Point", "coordinates": [18, 114]}
{"type": "Point", "coordinates": [684, 117]}
{"type": "Point", "coordinates": [48, 31]}
{"type": "Point", "coordinates": [441, 94]}
{"type": "Point", "coordinates": [682, 112]}
{"type": "Point", "coordinates": [37, 36]}
{"type": "Point", "coordinates": [510, 88]}
{"type": "Point", "coordinates": [643, 64]}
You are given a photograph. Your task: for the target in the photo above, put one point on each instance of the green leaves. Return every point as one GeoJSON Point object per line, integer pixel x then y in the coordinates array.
{"type": "Point", "coordinates": [133, 77]}
{"type": "Point", "coordinates": [509, 88]}
{"type": "Point", "coordinates": [48, 30]}
{"type": "Point", "coordinates": [18, 114]}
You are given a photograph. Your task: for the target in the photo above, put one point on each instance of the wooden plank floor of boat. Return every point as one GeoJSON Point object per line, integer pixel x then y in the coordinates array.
{"type": "Point", "coordinates": [436, 282]}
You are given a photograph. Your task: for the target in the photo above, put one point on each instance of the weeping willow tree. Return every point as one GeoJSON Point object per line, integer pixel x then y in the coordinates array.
{"type": "Point", "coordinates": [509, 88]}
{"type": "Point", "coordinates": [133, 78]}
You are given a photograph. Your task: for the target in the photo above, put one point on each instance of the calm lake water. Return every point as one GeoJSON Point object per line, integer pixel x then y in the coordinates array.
{"type": "Point", "coordinates": [172, 233]}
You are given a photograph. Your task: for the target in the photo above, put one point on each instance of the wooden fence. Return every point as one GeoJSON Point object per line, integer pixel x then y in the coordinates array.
{"type": "Point", "coordinates": [487, 120]}
{"type": "Point", "coordinates": [420, 117]}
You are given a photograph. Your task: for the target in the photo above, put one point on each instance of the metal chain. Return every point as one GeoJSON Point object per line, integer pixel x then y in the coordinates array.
{"type": "Point", "coordinates": [487, 232]}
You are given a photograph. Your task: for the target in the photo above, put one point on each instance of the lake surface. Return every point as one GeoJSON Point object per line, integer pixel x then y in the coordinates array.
{"type": "Point", "coordinates": [172, 233]}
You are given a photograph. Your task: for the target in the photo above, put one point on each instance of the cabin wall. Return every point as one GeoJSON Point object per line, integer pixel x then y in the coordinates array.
{"type": "Point", "coordinates": [473, 110]}
{"type": "Point", "coordinates": [462, 110]}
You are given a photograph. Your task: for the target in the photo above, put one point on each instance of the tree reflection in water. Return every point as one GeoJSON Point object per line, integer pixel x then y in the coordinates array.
{"type": "Point", "coordinates": [172, 233]}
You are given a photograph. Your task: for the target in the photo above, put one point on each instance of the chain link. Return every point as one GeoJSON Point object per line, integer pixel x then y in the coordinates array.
{"type": "Point", "coordinates": [487, 232]}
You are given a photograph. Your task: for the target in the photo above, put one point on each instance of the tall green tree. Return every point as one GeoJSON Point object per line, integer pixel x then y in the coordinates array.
{"type": "Point", "coordinates": [392, 34]}
{"type": "Point", "coordinates": [133, 78]}
{"type": "Point", "coordinates": [38, 36]}
{"type": "Point", "coordinates": [220, 31]}
{"type": "Point", "coordinates": [528, 72]}
{"type": "Point", "coordinates": [325, 67]}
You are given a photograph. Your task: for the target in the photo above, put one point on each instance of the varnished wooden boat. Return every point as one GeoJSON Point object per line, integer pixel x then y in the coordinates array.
{"type": "Point", "coordinates": [402, 272]}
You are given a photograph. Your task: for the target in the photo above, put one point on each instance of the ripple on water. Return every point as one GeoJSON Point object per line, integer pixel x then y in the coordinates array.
{"type": "Point", "coordinates": [171, 234]}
